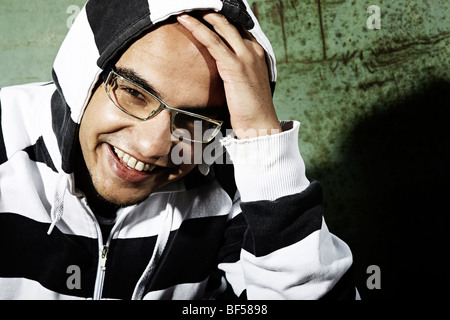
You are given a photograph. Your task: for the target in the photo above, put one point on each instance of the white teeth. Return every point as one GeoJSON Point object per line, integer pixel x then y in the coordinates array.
{"type": "Point", "coordinates": [132, 162]}
{"type": "Point", "coordinates": [119, 152]}
{"type": "Point", "coordinates": [139, 166]}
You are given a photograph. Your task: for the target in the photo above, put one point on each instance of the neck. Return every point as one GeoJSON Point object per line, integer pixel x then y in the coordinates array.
{"type": "Point", "coordinates": [100, 206]}
{"type": "Point", "coordinates": [96, 202]}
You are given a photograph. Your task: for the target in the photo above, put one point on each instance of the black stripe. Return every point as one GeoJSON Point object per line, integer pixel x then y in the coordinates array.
{"type": "Point", "coordinates": [28, 252]}
{"type": "Point", "coordinates": [38, 152]}
{"type": "Point", "coordinates": [243, 295]}
{"type": "Point", "coordinates": [64, 127]}
{"type": "Point", "coordinates": [3, 157]}
{"type": "Point", "coordinates": [229, 294]}
{"type": "Point", "coordinates": [277, 224]}
{"type": "Point", "coordinates": [234, 238]}
{"type": "Point", "coordinates": [127, 260]}
{"type": "Point", "coordinates": [224, 174]}
{"type": "Point", "coordinates": [273, 85]}
{"type": "Point", "coordinates": [195, 179]}
{"type": "Point", "coordinates": [116, 24]}
{"type": "Point", "coordinates": [236, 12]}
{"type": "Point", "coordinates": [191, 254]}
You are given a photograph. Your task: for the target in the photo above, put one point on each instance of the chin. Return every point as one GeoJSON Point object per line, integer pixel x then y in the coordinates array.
{"type": "Point", "coordinates": [126, 202]}
{"type": "Point", "coordinates": [122, 198]}
{"type": "Point", "coordinates": [124, 195]}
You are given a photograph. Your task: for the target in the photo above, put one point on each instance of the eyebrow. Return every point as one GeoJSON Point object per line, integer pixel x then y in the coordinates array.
{"type": "Point", "coordinates": [134, 77]}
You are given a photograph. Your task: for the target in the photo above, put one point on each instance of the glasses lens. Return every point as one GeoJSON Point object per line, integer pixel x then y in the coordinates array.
{"type": "Point", "coordinates": [131, 98]}
{"type": "Point", "coordinates": [138, 103]}
{"type": "Point", "coordinates": [194, 129]}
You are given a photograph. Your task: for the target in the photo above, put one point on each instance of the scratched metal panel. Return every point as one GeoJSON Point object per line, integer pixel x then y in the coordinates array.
{"type": "Point", "coordinates": [374, 106]}
{"type": "Point", "coordinates": [333, 70]}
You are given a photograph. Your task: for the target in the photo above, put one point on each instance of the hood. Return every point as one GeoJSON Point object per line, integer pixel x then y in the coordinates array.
{"type": "Point", "coordinates": [101, 32]}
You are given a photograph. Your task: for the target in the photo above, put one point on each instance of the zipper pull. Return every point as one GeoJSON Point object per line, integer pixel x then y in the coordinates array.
{"type": "Point", "coordinates": [103, 257]}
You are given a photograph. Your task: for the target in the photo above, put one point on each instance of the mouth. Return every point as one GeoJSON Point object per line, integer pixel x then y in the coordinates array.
{"type": "Point", "coordinates": [128, 168]}
{"type": "Point", "coordinates": [132, 163]}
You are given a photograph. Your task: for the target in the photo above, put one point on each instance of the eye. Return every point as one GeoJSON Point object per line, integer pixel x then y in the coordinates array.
{"type": "Point", "coordinates": [131, 97]}
{"type": "Point", "coordinates": [132, 92]}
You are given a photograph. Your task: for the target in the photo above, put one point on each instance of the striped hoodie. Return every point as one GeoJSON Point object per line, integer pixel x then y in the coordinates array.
{"type": "Point", "coordinates": [251, 227]}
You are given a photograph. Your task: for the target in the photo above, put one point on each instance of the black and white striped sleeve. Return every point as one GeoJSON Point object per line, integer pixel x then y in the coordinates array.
{"type": "Point", "coordinates": [287, 250]}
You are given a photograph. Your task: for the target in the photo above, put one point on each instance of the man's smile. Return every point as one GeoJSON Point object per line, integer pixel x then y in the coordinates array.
{"type": "Point", "coordinates": [132, 163]}
{"type": "Point", "coordinates": [127, 159]}
{"type": "Point", "coordinates": [127, 167]}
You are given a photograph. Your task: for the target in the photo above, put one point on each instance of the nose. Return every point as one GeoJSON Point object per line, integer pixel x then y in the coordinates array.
{"type": "Point", "coordinates": [153, 138]}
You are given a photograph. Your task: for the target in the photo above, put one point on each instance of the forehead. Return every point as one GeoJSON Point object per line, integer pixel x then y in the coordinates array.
{"type": "Point", "coordinates": [176, 65]}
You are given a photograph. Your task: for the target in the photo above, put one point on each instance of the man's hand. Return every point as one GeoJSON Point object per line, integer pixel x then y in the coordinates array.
{"type": "Point", "coordinates": [242, 66]}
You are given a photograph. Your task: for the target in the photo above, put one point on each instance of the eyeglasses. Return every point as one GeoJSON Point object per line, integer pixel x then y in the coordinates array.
{"type": "Point", "coordinates": [143, 105]}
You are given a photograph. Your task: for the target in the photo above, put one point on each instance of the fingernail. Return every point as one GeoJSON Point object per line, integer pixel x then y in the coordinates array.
{"type": "Point", "coordinates": [183, 17]}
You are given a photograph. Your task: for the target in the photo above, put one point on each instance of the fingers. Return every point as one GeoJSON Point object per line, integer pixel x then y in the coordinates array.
{"type": "Point", "coordinates": [212, 41]}
{"type": "Point", "coordinates": [227, 32]}
{"type": "Point", "coordinates": [241, 64]}
{"type": "Point", "coordinates": [240, 39]}
{"type": "Point", "coordinates": [226, 40]}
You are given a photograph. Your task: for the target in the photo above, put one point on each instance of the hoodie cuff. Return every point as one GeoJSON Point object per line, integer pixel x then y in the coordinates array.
{"type": "Point", "coordinates": [268, 167]}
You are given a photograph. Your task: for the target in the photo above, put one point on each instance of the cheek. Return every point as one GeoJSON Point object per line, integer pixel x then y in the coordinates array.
{"type": "Point", "coordinates": [179, 172]}
{"type": "Point", "coordinates": [100, 117]}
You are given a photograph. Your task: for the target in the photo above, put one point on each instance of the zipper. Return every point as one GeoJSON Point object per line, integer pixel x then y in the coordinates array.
{"type": "Point", "coordinates": [101, 270]}
{"type": "Point", "coordinates": [103, 248]}
{"type": "Point", "coordinates": [103, 257]}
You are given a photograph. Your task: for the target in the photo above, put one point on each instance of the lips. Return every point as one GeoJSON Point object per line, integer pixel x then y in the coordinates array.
{"type": "Point", "coordinates": [131, 163]}
{"type": "Point", "coordinates": [127, 167]}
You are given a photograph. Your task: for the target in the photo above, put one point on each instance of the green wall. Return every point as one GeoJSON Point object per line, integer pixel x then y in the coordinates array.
{"type": "Point", "coordinates": [30, 35]}
{"type": "Point", "coordinates": [374, 110]}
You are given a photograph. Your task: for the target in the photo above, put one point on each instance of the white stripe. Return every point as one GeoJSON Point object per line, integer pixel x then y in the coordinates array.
{"type": "Point", "coordinates": [75, 65]}
{"type": "Point", "coordinates": [143, 221]}
{"type": "Point", "coordinates": [25, 289]}
{"type": "Point", "coordinates": [184, 291]}
{"type": "Point", "coordinates": [234, 275]}
{"type": "Point", "coordinates": [305, 270]}
{"type": "Point", "coordinates": [205, 201]}
{"type": "Point", "coordinates": [268, 167]}
{"type": "Point", "coordinates": [32, 198]}
{"type": "Point", "coordinates": [161, 10]}
{"type": "Point", "coordinates": [23, 111]}
{"type": "Point", "coordinates": [18, 193]}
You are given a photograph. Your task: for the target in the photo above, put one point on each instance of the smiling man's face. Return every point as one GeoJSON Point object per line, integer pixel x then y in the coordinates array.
{"type": "Point", "coordinates": [184, 75]}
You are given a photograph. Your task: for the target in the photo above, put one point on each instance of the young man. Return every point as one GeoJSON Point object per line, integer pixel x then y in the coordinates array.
{"type": "Point", "coordinates": [102, 193]}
